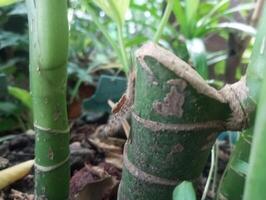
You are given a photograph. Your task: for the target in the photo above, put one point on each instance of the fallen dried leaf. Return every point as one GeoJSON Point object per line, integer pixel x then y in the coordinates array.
{"type": "Point", "coordinates": [17, 195]}
{"type": "Point", "coordinates": [105, 145]}
{"type": "Point", "coordinates": [115, 159]}
{"type": "Point", "coordinates": [91, 183]}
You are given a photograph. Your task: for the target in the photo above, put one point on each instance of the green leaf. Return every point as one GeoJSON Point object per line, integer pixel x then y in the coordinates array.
{"type": "Point", "coordinates": [180, 16]}
{"type": "Point", "coordinates": [7, 2]}
{"type": "Point", "coordinates": [208, 18]}
{"type": "Point", "coordinates": [198, 55]}
{"type": "Point", "coordinates": [7, 124]}
{"type": "Point", "coordinates": [191, 10]}
{"type": "Point", "coordinates": [109, 87]}
{"type": "Point", "coordinates": [219, 68]}
{"type": "Point", "coordinates": [22, 95]}
{"type": "Point", "coordinates": [238, 26]}
{"type": "Point", "coordinates": [215, 57]}
{"type": "Point", "coordinates": [8, 108]}
{"type": "Point", "coordinates": [135, 41]}
{"type": "Point", "coordinates": [240, 166]}
{"type": "Point", "coordinates": [116, 9]}
{"type": "Point", "coordinates": [239, 8]}
{"type": "Point", "coordinates": [8, 39]}
{"type": "Point", "coordinates": [185, 191]}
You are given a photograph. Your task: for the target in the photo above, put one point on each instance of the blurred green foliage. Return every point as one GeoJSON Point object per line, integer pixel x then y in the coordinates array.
{"type": "Point", "coordinates": [105, 34]}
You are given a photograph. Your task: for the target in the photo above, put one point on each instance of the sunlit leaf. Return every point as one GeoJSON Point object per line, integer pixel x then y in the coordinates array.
{"type": "Point", "coordinates": [191, 9]}
{"type": "Point", "coordinates": [180, 16]}
{"type": "Point", "coordinates": [7, 2]}
{"type": "Point", "coordinates": [239, 8]}
{"type": "Point", "coordinates": [207, 18]}
{"type": "Point", "coordinates": [116, 9]}
{"type": "Point", "coordinates": [197, 52]}
{"type": "Point", "coordinates": [22, 95]}
{"type": "Point", "coordinates": [184, 191]}
{"type": "Point", "coordinates": [240, 167]}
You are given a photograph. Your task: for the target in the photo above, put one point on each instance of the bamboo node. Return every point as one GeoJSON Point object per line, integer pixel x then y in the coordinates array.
{"type": "Point", "coordinates": [50, 130]}
{"type": "Point", "coordinates": [174, 128]}
{"type": "Point", "coordinates": [51, 167]}
{"type": "Point", "coordinates": [143, 176]}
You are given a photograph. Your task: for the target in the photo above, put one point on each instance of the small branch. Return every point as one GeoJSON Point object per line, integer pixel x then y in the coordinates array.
{"type": "Point", "coordinates": [257, 12]}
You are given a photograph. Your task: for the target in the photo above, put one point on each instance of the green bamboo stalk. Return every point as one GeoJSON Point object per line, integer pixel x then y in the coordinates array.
{"type": "Point", "coordinates": [123, 52]}
{"type": "Point", "coordinates": [232, 183]}
{"type": "Point", "coordinates": [168, 148]}
{"type": "Point", "coordinates": [256, 179]}
{"type": "Point", "coordinates": [170, 141]}
{"type": "Point", "coordinates": [48, 29]}
{"type": "Point", "coordinates": [256, 68]}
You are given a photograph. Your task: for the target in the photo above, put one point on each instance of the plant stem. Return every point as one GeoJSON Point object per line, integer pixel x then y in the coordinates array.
{"type": "Point", "coordinates": [256, 178]}
{"type": "Point", "coordinates": [151, 157]}
{"type": "Point", "coordinates": [210, 174]}
{"type": "Point", "coordinates": [48, 29]}
{"type": "Point", "coordinates": [164, 20]}
{"type": "Point", "coordinates": [215, 166]}
{"type": "Point", "coordinates": [121, 51]}
{"type": "Point", "coordinates": [122, 48]}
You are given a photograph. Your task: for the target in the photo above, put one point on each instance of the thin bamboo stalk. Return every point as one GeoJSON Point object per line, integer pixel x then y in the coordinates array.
{"type": "Point", "coordinates": [48, 29]}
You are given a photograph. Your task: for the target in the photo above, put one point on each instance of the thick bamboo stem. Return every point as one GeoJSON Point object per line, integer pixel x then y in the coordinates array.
{"type": "Point", "coordinates": [256, 179]}
{"type": "Point", "coordinates": [170, 141]}
{"type": "Point", "coordinates": [175, 125]}
{"type": "Point", "coordinates": [48, 29]}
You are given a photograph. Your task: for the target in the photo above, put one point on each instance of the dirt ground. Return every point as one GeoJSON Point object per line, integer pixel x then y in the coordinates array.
{"type": "Point", "coordinates": [96, 165]}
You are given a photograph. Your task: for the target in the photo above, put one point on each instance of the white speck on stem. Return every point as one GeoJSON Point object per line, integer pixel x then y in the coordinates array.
{"type": "Point", "coordinates": [262, 47]}
{"type": "Point", "coordinates": [38, 70]}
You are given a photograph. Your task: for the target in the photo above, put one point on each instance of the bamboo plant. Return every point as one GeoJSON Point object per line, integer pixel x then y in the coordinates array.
{"type": "Point", "coordinates": [176, 124]}
{"type": "Point", "coordinates": [256, 178]}
{"type": "Point", "coordinates": [48, 30]}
